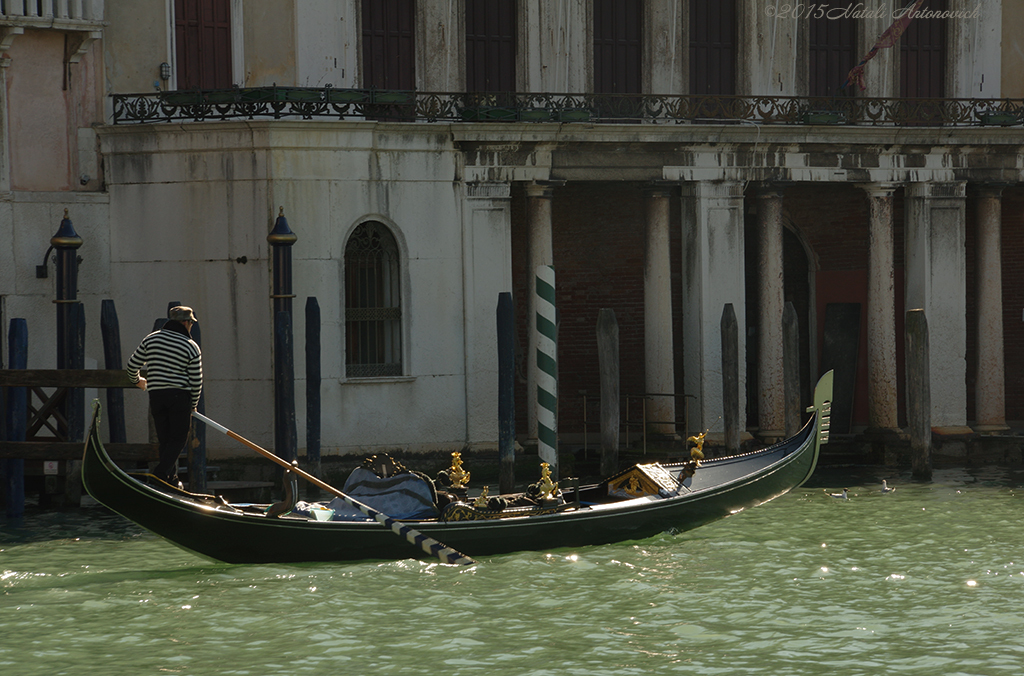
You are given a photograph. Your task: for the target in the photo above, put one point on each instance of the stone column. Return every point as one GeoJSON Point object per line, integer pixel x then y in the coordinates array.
{"type": "Point", "coordinates": [771, 388]}
{"type": "Point", "coordinates": [713, 265]}
{"type": "Point", "coordinates": [990, 401]}
{"type": "Point", "coordinates": [658, 353]}
{"type": "Point", "coordinates": [936, 283]}
{"type": "Point", "coordinates": [538, 216]}
{"type": "Point", "coordinates": [487, 272]}
{"type": "Point", "coordinates": [883, 400]}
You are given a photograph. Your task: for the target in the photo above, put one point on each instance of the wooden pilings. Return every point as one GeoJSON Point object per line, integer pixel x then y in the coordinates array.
{"type": "Point", "coordinates": [111, 331]}
{"type": "Point", "coordinates": [791, 368]}
{"type": "Point", "coordinates": [281, 240]}
{"type": "Point", "coordinates": [284, 389]}
{"type": "Point", "coordinates": [730, 379]}
{"type": "Point", "coordinates": [313, 390]}
{"type": "Point", "coordinates": [17, 414]}
{"type": "Point", "coordinates": [506, 393]}
{"type": "Point", "coordinates": [608, 365]}
{"type": "Point", "coordinates": [919, 395]}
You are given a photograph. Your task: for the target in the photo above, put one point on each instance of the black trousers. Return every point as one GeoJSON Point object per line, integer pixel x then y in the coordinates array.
{"type": "Point", "coordinates": [172, 417]}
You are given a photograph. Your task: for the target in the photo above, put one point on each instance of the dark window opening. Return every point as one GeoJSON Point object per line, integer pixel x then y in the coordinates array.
{"type": "Point", "coordinates": [373, 309]}
{"type": "Point", "coordinates": [490, 46]}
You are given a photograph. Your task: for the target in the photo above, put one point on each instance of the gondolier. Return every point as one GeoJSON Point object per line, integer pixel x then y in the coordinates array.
{"type": "Point", "coordinates": [174, 380]}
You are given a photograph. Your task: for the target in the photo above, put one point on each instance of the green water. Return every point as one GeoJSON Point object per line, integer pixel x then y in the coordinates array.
{"type": "Point", "coordinates": [927, 580]}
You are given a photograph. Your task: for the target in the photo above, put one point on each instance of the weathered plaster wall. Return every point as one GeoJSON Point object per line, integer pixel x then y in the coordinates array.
{"type": "Point", "coordinates": [1012, 49]}
{"type": "Point", "coordinates": [328, 33]}
{"type": "Point", "coordinates": [139, 39]}
{"type": "Point", "coordinates": [270, 40]}
{"type": "Point", "coordinates": [190, 202]}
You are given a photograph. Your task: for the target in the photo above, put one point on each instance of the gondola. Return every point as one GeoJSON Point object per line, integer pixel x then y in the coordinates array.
{"type": "Point", "coordinates": [640, 502]}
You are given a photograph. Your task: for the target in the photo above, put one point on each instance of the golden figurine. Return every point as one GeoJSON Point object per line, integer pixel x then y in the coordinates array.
{"type": "Point", "coordinates": [481, 501]}
{"type": "Point", "coordinates": [546, 486]}
{"type": "Point", "coordinates": [459, 476]}
{"type": "Point", "coordinates": [697, 452]}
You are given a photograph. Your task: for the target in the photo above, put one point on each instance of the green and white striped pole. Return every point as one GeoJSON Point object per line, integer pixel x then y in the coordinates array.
{"type": "Point", "coordinates": [547, 369]}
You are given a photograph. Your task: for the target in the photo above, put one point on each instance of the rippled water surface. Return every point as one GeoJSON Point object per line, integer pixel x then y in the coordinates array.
{"type": "Point", "coordinates": [926, 580]}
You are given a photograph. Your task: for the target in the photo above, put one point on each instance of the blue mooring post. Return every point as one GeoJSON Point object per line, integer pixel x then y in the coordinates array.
{"type": "Point", "coordinates": [17, 414]}
{"type": "Point", "coordinates": [284, 389]}
{"type": "Point", "coordinates": [281, 239]}
{"type": "Point", "coordinates": [111, 332]}
{"type": "Point", "coordinates": [76, 403]}
{"type": "Point", "coordinates": [313, 391]}
{"type": "Point", "coordinates": [66, 242]}
{"type": "Point", "coordinates": [506, 394]}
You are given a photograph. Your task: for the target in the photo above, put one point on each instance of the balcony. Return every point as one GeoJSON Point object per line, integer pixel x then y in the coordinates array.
{"type": "Point", "coordinates": [59, 14]}
{"type": "Point", "coordinates": [82, 18]}
{"type": "Point", "coordinates": [413, 106]}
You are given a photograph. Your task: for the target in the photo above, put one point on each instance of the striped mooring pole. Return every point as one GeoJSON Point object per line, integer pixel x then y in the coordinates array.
{"type": "Point", "coordinates": [547, 369]}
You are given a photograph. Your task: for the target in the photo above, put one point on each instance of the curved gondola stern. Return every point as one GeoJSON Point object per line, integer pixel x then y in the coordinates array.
{"type": "Point", "coordinates": [822, 409]}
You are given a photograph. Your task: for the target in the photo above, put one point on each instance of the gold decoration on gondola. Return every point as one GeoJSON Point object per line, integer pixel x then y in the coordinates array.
{"type": "Point", "coordinates": [697, 452]}
{"type": "Point", "coordinates": [641, 480]}
{"type": "Point", "coordinates": [546, 488]}
{"type": "Point", "coordinates": [481, 500]}
{"type": "Point", "coordinates": [459, 476]}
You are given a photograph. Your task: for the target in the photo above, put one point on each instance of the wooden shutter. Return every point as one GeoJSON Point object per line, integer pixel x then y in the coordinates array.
{"type": "Point", "coordinates": [832, 53]}
{"type": "Point", "coordinates": [202, 33]}
{"type": "Point", "coordinates": [388, 44]}
{"type": "Point", "coordinates": [923, 55]}
{"type": "Point", "coordinates": [490, 45]}
{"type": "Point", "coordinates": [618, 44]}
{"type": "Point", "coordinates": [713, 47]}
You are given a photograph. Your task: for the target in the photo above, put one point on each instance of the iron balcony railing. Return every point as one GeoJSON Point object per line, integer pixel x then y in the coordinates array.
{"type": "Point", "coordinates": [413, 106]}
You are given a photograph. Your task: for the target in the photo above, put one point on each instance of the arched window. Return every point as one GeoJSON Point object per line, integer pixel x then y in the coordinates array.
{"type": "Point", "coordinates": [373, 308]}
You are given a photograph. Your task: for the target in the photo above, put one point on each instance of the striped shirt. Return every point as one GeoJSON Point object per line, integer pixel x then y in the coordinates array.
{"type": "Point", "coordinates": [173, 362]}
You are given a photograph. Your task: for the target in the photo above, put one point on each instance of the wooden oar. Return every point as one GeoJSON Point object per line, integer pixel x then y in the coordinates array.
{"type": "Point", "coordinates": [431, 546]}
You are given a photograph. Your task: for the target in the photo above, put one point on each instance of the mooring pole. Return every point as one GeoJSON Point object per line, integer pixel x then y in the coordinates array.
{"type": "Point", "coordinates": [547, 369]}
{"type": "Point", "coordinates": [281, 239]}
{"type": "Point", "coordinates": [791, 367]}
{"type": "Point", "coordinates": [17, 415]}
{"type": "Point", "coordinates": [730, 380]}
{"type": "Point", "coordinates": [111, 332]}
{"type": "Point", "coordinates": [76, 403]}
{"type": "Point", "coordinates": [313, 391]}
{"type": "Point", "coordinates": [919, 403]}
{"type": "Point", "coordinates": [284, 389]}
{"type": "Point", "coordinates": [608, 366]}
{"type": "Point", "coordinates": [506, 394]}
{"type": "Point", "coordinates": [66, 242]}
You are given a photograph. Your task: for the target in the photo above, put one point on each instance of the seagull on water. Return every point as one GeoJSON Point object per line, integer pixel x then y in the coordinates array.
{"type": "Point", "coordinates": [886, 488]}
{"type": "Point", "coordinates": [841, 496]}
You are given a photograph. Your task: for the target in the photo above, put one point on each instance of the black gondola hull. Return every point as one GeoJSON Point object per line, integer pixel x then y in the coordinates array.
{"type": "Point", "coordinates": [721, 487]}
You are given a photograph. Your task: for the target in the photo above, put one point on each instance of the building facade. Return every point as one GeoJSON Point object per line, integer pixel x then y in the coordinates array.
{"type": "Point", "coordinates": [669, 158]}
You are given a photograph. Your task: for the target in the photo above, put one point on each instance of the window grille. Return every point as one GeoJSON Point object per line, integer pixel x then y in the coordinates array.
{"type": "Point", "coordinates": [373, 310]}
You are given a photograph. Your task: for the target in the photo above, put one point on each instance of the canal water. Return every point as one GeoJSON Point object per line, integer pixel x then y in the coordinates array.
{"type": "Point", "coordinates": [926, 580]}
